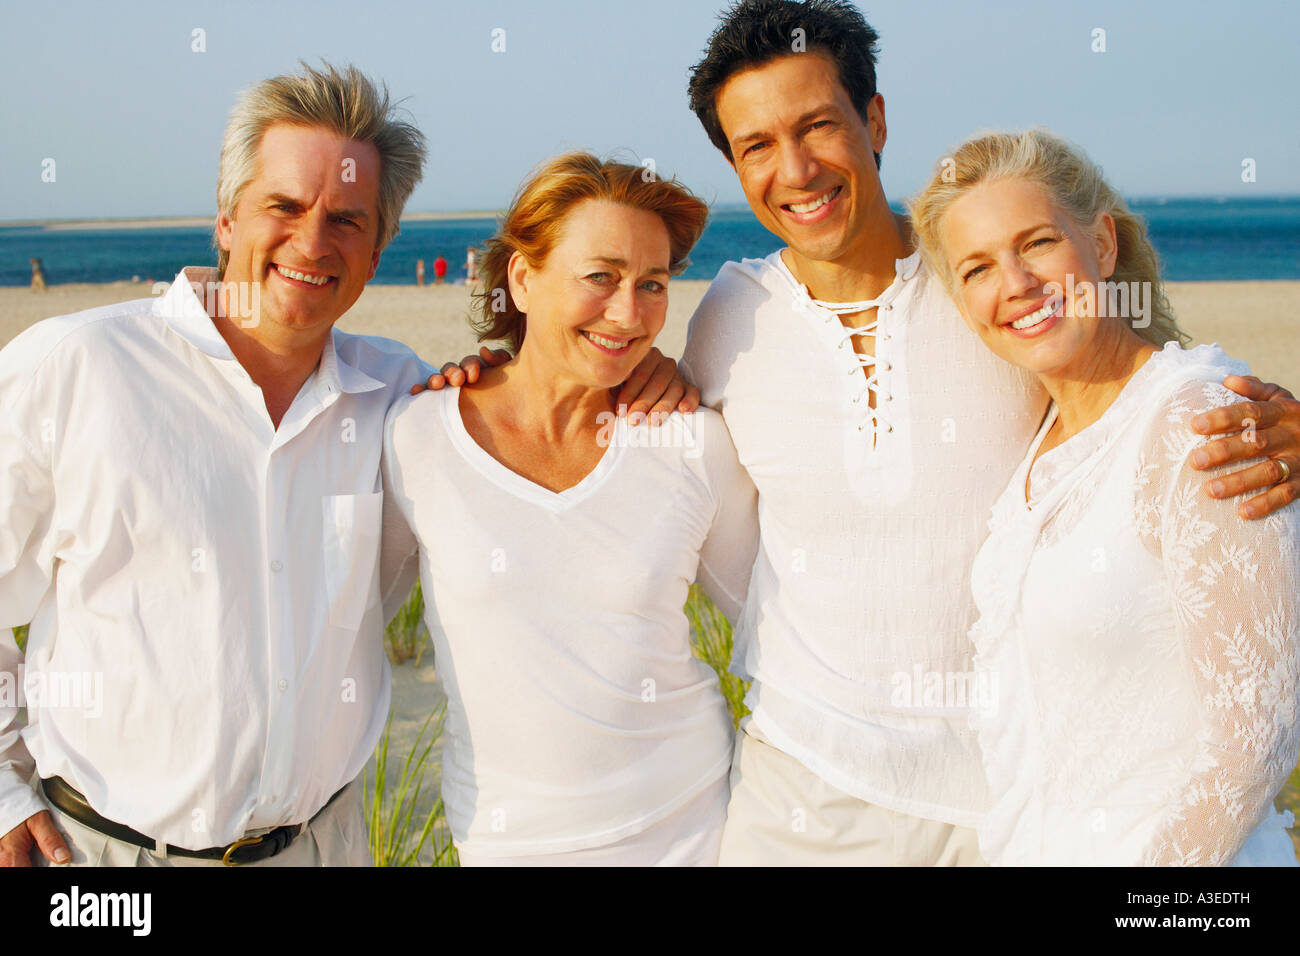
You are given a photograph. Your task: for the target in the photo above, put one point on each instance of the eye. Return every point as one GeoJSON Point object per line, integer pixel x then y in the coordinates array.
{"type": "Point", "coordinates": [600, 278]}
{"type": "Point", "coordinates": [1040, 241]}
{"type": "Point", "coordinates": [345, 220]}
{"type": "Point", "coordinates": [971, 273]}
{"type": "Point", "coordinates": [654, 285]}
{"type": "Point", "coordinates": [752, 147]}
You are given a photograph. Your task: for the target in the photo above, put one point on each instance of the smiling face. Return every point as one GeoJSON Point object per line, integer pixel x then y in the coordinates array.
{"type": "Point", "coordinates": [306, 227]}
{"type": "Point", "coordinates": [1005, 241]}
{"type": "Point", "coordinates": [804, 156]}
{"type": "Point", "coordinates": [596, 304]}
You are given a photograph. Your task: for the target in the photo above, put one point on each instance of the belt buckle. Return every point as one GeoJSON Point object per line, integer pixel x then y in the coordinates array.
{"type": "Point", "coordinates": [228, 859]}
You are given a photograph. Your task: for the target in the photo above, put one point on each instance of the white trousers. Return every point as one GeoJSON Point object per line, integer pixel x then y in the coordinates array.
{"type": "Point", "coordinates": [783, 814]}
{"type": "Point", "coordinates": [335, 837]}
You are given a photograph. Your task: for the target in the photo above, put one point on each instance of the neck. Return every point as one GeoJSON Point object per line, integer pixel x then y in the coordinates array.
{"type": "Point", "coordinates": [1083, 392]}
{"type": "Point", "coordinates": [548, 405]}
{"type": "Point", "coordinates": [277, 364]}
{"type": "Point", "coordinates": [866, 269]}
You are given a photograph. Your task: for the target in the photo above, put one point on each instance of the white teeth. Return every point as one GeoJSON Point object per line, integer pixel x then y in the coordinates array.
{"type": "Point", "coordinates": [802, 207]}
{"type": "Point", "coordinates": [314, 280]}
{"type": "Point", "coordinates": [607, 343]}
{"type": "Point", "coordinates": [1029, 321]}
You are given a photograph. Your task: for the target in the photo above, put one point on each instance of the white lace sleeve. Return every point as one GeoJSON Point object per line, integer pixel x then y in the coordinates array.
{"type": "Point", "coordinates": [1236, 591]}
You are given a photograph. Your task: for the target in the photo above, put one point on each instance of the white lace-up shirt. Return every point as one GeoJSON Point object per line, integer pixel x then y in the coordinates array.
{"type": "Point", "coordinates": [869, 520]}
{"type": "Point", "coordinates": [1144, 642]}
{"type": "Point", "coordinates": [205, 650]}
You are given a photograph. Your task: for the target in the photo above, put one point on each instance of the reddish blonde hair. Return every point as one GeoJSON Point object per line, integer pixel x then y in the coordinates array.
{"type": "Point", "coordinates": [535, 221]}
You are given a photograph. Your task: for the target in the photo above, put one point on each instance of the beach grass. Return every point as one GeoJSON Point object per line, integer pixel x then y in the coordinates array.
{"type": "Point", "coordinates": [397, 836]}
{"type": "Point", "coordinates": [20, 637]}
{"type": "Point", "coordinates": [406, 637]}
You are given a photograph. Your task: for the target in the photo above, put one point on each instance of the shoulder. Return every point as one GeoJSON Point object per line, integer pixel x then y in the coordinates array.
{"type": "Point", "coordinates": [91, 332]}
{"type": "Point", "coordinates": [375, 355]}
{"type": "Point", "coordinates": [1189, 384]}
{"type": "Point", "coordinates": [739, 287]}
{"type": "Point", "coordinates": [414, 416]}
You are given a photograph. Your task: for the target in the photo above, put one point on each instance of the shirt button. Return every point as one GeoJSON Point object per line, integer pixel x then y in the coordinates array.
{"type": "Point", "coordinates": [277, 566]}
{"type": "Point", "coordinates": [284, 685]}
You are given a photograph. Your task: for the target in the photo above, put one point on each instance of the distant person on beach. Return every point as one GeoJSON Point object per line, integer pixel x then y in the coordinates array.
{"type": "Point", "coordinates": [192, 518]}
{"type": "Point", "coordinates": [1107, 571]}
{"type": "Point", "coordinates": [38, 275]}
{"type": "Point", "coordinates": [581, 729]}
{"type": "Point", "coordinates": [471, 267]}
{"type": "Point", "coordinates": [419, 272]}
{"type": "Point", "coordinates": [439, 270]}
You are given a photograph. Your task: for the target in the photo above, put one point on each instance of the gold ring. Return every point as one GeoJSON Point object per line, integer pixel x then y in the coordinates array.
{"type": "Point", "coordinates": [1286, 471]}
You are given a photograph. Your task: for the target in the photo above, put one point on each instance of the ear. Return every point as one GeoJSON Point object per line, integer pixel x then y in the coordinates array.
{"type": "Point", "coordinates": [225, 231]}
{"type": "Point", "coordinates": [374, 264]}
{"type": "Point", "coordinates": [1106, 243]}
{"type": "Point", "coordinates": [876, 123]}
{"type": "Point", "coordinates": [517, 276]}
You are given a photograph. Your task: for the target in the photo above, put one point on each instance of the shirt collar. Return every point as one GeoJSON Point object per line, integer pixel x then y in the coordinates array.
{"type": "Point", "coordinates": [336, 375]}
{"type": "Point", "coordinates": [183, 308]}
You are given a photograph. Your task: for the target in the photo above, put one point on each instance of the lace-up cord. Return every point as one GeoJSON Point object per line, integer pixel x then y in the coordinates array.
{"type": "Point", "coordinates": [873, 384]}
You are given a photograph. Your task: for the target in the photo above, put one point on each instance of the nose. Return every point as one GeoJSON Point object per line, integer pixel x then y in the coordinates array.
{"type": "Point", "coordinates": [1018, 279]}
{"type": "Point", "coordinates": [797, 166]}
{"type": "Point", "coordinates": [621, 306]}
{"type": "Point", "coordinates": [311, 235]}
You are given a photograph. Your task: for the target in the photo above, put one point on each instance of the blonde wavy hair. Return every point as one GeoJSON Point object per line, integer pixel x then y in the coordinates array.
{"type": "Point", "coordinates": [1074, 183]}
{"type": "Point", "coordinates": [345, 101]}
{"type": "Point", "coordinates": [534, 224]}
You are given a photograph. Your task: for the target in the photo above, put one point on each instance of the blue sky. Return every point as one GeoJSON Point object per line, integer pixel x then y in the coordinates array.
{"type": "Point", "coordinates": [132, 116]}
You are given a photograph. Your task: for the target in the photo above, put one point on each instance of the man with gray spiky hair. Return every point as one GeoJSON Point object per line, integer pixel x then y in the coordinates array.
{"type": "Point", "coordinates": [192, 498]}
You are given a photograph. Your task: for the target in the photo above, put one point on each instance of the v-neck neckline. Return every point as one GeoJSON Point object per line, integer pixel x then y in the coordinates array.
{"type": "Point", "coordinates": [515, 483]}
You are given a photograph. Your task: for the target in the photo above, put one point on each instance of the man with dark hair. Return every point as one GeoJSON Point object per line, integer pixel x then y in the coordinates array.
{"type": "Point", "coordinates": [876, 467]}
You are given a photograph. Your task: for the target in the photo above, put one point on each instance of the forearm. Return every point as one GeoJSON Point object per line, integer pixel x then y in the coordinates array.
{"type": "Point", "coordinates": [18, 800]}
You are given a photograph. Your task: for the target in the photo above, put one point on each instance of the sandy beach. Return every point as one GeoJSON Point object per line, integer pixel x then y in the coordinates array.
{"type": "Point", "coordinates": [1250, 320]}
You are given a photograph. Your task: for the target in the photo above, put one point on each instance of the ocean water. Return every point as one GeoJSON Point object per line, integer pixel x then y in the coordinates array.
{"type": "Point", "coordinates": [1198, 239]}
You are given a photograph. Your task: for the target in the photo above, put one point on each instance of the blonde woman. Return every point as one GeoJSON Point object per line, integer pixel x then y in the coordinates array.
{"type": "Point", "coordinates": [557, 542]}
{"type": "Point", "coordinates": [1145, 638]}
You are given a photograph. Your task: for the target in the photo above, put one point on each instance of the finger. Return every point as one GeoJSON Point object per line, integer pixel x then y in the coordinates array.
{"type": "Point", "coordinates": [668, 401]}
{"type": "Point", "coordinates": [663, 376]}
{"type": "Point", "coordinates": [690, 402]}
{"type": "Point", "coordinates": [1232, 418]}
{"type": "Point", "coordinates": [1275, 499]}
{"type": "Point", "coordinates": [436, 382]}
{"type": "Point", "coordinates": [454, 374]}
{"type": "Point", "coordinates": [473, 367]}
{"type": "Point", "coordinates": [1251, 387]}
{"type": "Point", "coordinates": [1261, 475]}
{"type": "Point", "coordinates": [636, 382]}
{"type": "Point", "coordinates": [494, 357]}
{"type": "Point", "coordinates": [48, 838]}
{"type": "Point", "coordinates": [1245, 446]}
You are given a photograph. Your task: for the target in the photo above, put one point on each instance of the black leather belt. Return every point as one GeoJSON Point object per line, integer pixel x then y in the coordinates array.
{"type": "Point", "coordinates": [247, 850]}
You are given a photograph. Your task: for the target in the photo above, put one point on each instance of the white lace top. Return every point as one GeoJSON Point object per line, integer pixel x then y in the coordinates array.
{"type": "Point", "coordinates": [1142, 640]}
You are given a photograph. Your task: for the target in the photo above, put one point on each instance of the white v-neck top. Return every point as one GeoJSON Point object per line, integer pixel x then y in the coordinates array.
{"type": "Point", "coordinates": [1142, 642]}
{"type": "Point", "coordinates": [577, 714]}
{"type": "Point", "coordinates": [869, 521]}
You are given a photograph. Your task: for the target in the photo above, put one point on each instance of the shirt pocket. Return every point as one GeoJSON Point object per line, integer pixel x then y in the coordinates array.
{"type": "Point", "coordinates": [352, 525]}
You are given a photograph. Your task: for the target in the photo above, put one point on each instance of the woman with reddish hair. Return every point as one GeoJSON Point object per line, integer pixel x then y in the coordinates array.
{"type": "Point", "coordinates": [557, 541]}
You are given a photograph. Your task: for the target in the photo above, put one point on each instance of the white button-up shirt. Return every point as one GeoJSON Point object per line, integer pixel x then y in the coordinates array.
{"type": "Point", "coordinates": [205, 653]}
{"type": "Point", "coordinates": [869, 520]}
